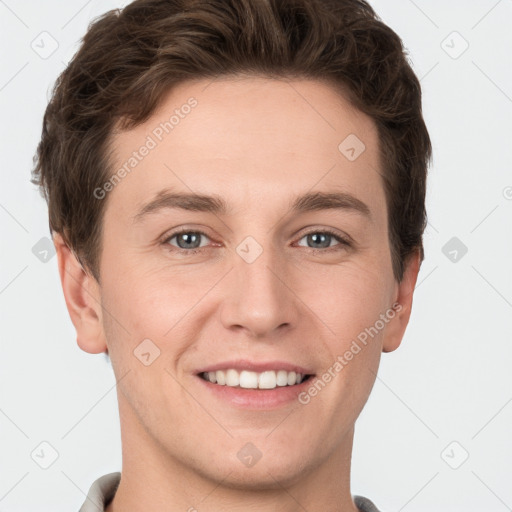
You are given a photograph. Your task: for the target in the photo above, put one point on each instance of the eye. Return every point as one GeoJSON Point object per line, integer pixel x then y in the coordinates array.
{"type": "Point", "coordinates": [187, 241]}
{"type": "Point", "coordinates": [323, 239]}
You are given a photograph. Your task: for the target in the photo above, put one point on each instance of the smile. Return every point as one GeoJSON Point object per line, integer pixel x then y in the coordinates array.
{"type": "Point", "coordinates": [269, 379]}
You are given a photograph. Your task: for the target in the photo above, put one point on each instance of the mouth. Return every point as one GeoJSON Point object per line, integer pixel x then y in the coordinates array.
{"type": "Point", "coordinates": [255, 385]}
{"type": "Point", "coordinates": [245, 379]}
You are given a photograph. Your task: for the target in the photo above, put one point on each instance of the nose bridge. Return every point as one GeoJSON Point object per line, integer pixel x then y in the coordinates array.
{"type": "Point", "coordinates": [259, 299]}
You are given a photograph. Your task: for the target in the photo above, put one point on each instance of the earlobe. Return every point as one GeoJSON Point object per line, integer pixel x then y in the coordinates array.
{"type": "Point", "coordinates": [395, 330]}
{"type": "Point", "coordinates": [82, 296]}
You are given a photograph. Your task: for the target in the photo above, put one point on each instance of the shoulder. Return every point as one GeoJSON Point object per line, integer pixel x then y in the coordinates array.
{"type": "Point", "coordinates": [364, 504]}
{"type": "Point", "coordinates": [101, 492]}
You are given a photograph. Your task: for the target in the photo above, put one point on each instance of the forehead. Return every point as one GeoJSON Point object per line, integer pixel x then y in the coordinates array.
{"type": "Point", "coordinates": [251, 140]}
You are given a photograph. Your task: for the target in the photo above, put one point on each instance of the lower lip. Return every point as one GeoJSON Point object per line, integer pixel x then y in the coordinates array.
{"type": "Point", "coordinates": [257, 398]}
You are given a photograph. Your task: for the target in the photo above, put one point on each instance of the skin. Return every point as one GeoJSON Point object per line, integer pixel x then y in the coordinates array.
{"type": "Point", "coordinates": [257, 143]}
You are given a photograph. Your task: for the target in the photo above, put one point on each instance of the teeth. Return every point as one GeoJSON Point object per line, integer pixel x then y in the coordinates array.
{"type": "Point", "coordinates": [253, 380]}
{"type": "Point", "coordinates": [267, 380]}
{"type": "Point", "coordinates": [248, 380]}
{"type": "Point", "coordinates": [232, 378]}
{"type": "Point", "coordinates": [282, 378]}
{"type": "Point", "coordinates": [221, 378]}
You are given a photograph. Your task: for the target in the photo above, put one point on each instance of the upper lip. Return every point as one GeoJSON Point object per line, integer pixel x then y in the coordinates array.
{"type": "Point", "coordinates": [254, 366]}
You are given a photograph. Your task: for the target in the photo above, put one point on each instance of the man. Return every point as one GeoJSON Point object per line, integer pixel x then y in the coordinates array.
{"type": "Point", "coordinates": [236, 194]}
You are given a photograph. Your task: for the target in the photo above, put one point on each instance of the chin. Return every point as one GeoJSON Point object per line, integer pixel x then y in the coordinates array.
{"type": "Point", "coordinates": [265, 478]}
{"type": "Point", "coordinates": [267, 473]}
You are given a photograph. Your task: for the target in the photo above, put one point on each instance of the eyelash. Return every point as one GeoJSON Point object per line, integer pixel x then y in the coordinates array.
{"type": "Point", "coordinates": [344, 243]}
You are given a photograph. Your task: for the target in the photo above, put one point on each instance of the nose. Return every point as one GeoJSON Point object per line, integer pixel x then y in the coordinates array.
{"type": "Point", "coordinates": [259, 297]}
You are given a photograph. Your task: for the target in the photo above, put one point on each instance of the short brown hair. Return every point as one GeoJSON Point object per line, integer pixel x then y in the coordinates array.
{"type": "Point", "coordinates": [130, 58]}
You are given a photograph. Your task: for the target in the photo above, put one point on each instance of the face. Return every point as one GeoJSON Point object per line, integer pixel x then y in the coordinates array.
{"type": "Point", "coordinates": [250, 279]}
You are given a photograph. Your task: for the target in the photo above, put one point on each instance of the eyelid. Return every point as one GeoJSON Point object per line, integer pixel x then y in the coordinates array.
{"type": "Point", "coordinates": [330, 231]}
{"type": "Point", "coordinates": [170, 235]}
{"type": "Point", "coordinates": [344, 240]}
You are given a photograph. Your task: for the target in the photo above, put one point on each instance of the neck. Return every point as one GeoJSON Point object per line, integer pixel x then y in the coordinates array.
{"type": "Point", "coordinates": [152, 479]}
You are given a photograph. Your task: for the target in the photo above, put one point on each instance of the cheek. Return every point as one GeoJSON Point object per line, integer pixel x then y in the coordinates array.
{"type": "Point", "coordinates": [164, 304]}
{"type": "Point", "coordinates": [349, 297]}
{"type": "Point", "coordinates": [157, 305]}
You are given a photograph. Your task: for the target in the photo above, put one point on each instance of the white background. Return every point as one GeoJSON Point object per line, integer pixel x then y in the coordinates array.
{"type": "Point", "coordinates": [450, 381]}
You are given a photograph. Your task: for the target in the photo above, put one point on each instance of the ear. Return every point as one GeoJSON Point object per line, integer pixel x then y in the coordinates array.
{"type": "Point", "coordinates": [395, 330]}
{"type": "Point", "coordinates": [83, 299]}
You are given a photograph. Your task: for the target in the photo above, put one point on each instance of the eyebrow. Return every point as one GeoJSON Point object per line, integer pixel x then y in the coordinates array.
{"type": "Point", "coordinates": [312, 201]}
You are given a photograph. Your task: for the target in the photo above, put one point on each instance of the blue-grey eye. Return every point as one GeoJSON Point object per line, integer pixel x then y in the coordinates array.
{"type": "Point", "coordinates": [322, 239]}
{"type": "Point", "coordinates": [187, 239]}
